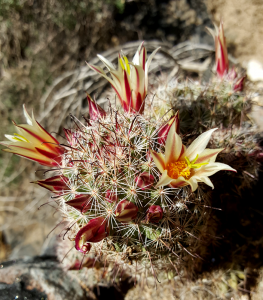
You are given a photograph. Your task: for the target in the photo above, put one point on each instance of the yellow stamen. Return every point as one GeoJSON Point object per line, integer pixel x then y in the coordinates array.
{"type": "Point", "coordinates": [125, 64]}
{"type": "Point", "coordinates": [192, 165]}
{"type": "Point", "coordinates": [20, 138]}
{"type": "Point", "coordinates": [178, 168]}
{"type": "Point", "coordinates": [122, 65]}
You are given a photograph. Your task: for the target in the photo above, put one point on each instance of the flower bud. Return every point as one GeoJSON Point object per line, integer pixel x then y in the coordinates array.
{"type": "Point", "coordinates": [56, 184]}
{"type": "Point", "coordinates": [239, 84]}
{"type": "Point", "coordinates": [232, 74]}
{"type": "Point", "coordinates": [126, 211]}
{"type": "Point", "coordinates": [154, 214]}
{"type": "Point", "coordinates": [164, 129]}
{"type": "Point", "coordinates": [144, 181]}
{"type": "Point", "coordinates": [95, 231]}
{"type": "Point", "coordinates": [81, 203]}
{"type": "Point", "coordinates": [111, 196]}
{"type": "Point", "coordinates": [222, 64]}
{"type": "Point", "coordinates": [72, 136]}
{"type": "Point", "coordinates": [95, 110]}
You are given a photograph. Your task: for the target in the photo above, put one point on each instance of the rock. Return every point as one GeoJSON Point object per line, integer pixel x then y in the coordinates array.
{"type": "Point", "coordinates": [255, 70]}
{"type": "Point", "coordinates": [40, 278]}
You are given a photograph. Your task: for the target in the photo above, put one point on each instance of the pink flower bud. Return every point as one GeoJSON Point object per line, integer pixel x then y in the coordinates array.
{"type": "Point", "coordinates": [222, 63]}
{"type": "Point", "coordinates": [232, 74]}
{"type": "Point", "coordinates": [95, 110]}
{"type": "Point", "coordinates": [81, 203]}
{"type": "Point", "coordinates": [111, 196]}
{"type": "Point", "coordinates": [154, 214]}
{"type": "Point", "coordinates": [72, 136]}
{"type": "Point", "coordinates": [126, 211]}
{"type": "Point", "coordinates": [239, 84]}
{"type": "Point", "coordinates": [95, 231]}
{"type": "Point", "coordinates": [144, 181]}
{"type": "Point", "coordinates": [164, 129]}
{"type": "Point", "coordinates": [56, 184]}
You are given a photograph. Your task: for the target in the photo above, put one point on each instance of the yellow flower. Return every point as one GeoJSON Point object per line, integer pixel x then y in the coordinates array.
{"type": "Point", "coordinates": [34, 142]}
{"type": "Point", "coordinates": [180, 166]}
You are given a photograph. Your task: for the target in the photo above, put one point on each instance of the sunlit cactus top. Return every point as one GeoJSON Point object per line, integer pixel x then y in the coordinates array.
{"type": "Point", "coordinates": [125, 179]}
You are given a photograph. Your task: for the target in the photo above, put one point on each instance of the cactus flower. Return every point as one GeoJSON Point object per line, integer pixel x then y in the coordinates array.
{"type": "Point", "coordinates": [130, 80]}
{"type": "Point", "coordinates": [81, 203]}
{"type": "Point", "coordinates": [95, 111]}
{"type": "Point", "coordinates": [164, 129]}
{"type": "Point", "coordinates": [34, 142]}
{"type": "Point", "coordinates": [222, 64]}
{"type": "Point", "coordinates": [126, 211]}
{"type": "Point", "coordinates": [93, 232]}
{"type": "Point", "coordinates": [144, 181]}
{"type": "Point", "coordinates": [180, 166]}
{"type": "Point", "coordinates": [56, 184]}
{"type": "Point", "coordinates": [154, 214]}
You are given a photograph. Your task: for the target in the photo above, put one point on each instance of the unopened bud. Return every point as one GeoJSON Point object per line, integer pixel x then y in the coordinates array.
{"type": "Point", "coordinates": [239, 85]}
{"type": "Point", "coordinates": [232, 74]}
{"type": "Point", "coordinates": [95, 110]}
{"type": "Point", "coordinates": [222, 64]}
{"type": "Point", "coordinates": [111, 196]}
{"type": "Point", "coordinates": [126, 211]}
{"type": "Point", "coordinates": [81, 203]}
{"type": "Point", "coordinates": [95, 231]}
{"type": "Point", "coordinates": [144, 181]}
{"type": "Point", "coordinates": [56, 184]}
{"type": "Point", "coordinates": [154, 214]}
{"type": "Point", "coordinates": [164, 129]}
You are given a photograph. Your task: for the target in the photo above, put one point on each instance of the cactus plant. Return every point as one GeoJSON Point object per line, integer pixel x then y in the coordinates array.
{"type": "Point", "coordinates": [134, 192]}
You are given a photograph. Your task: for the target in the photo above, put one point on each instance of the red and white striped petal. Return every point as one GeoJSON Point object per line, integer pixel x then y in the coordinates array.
{"type": "Point", "coordinates": [148, 65]}
{"type": "Point", "coordinates": [208, 155]}
{"type": "Point", "coordinates": [56, 184]}
{"type": "Point", "coordinates": [199, 145]}
{"type": "Point", "coordinates": [206, 180]}
{"type": "Point", "coordinates": [140, 56]}
{"type": "Point", "coordinates": [164, 129]}
{"type": "Point", "coordinates": [159, 160]}
{"type": "Point", "coordinates": [211, 169]}
{"type": "Point", "coordinates": [164, 180]}
{"type": "Point", "coordinates": [173, 145]}
{"type": "Point", "coordinates": [35, 143]}
{"type": "Point", "coordinates": [179, 182]}
{"type": "Point", "coordinates": [107, 63]}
